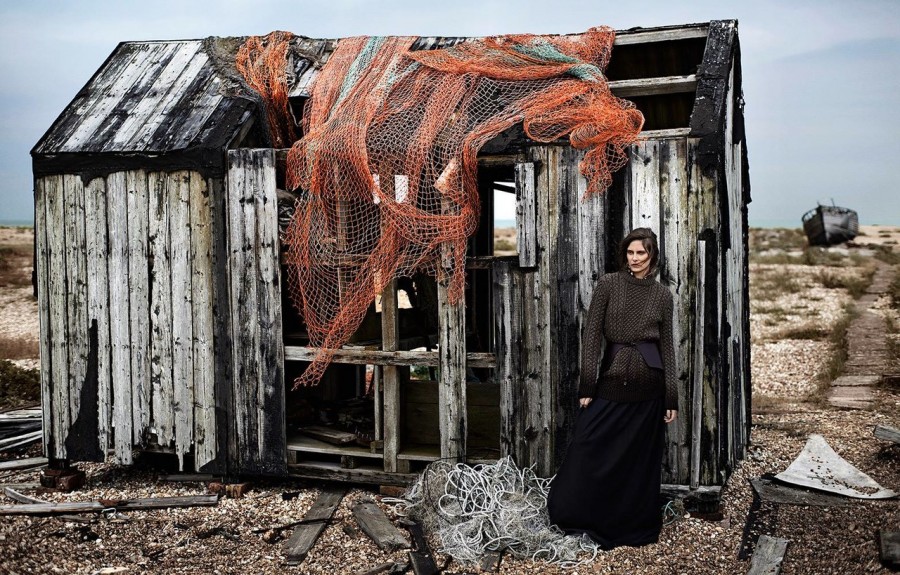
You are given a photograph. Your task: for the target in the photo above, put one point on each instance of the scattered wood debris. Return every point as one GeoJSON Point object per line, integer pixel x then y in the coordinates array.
{"type": "Point", "coordinates": [887, 433]}
{"type": "Point", "coordinates": [420, 556]}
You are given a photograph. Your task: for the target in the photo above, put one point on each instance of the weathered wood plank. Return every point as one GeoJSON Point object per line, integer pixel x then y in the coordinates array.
{"type": "Point", "coordinates": [383, 358]}
{"type": "Point", "coordinates": [626, 37]}
{"type": "Point", "coordinates": [768, 555]}
{"type": "Point", "coordinates": [76, 301]}
{"type": "Point", "coordinates": [103, 504]}
{"type": "Point", "coordinates": [120, 328]}
{"type": "Point", "coordinates": [95, 201]}
{"type": "Point", "coordinates": [205, 445]}
{"type": "Point", "coordinates": [377, 526]}
{"type": "Point", "coordinates": [390, 378]}
{"type": "Point", "coordinates": [21, 440]}
{"type": "Point", "coordinates": [270, 382]}
{"type": "Point", "coordinates": [161, 382]}
{"type": "Point", "coordinates": [676, 249]}
{"type": "Point", "coordinates": [420, 558]}
{"type": "Point", "coordinates": [139, 300]}
{"type": "Point", "coordinates": [179, 186]}
{"type": "Point", "coordinates": [42, 259]}
{"type": "Point", "coordinates": [772, 492]}
{"type": "Point", "coordinates": [509, 335]}
{"type": "Point", "coordinates": [304, 536]}
{"type": "Point", "coordinates": [58, 306]}
{"type": "Point", "coordinates": [654, 86]}
{"type": "Point", "coordinates": [697, 392]}
{"type": "Point", "coordinates": [644, 167]}
{"type": "Point", "coordinates": [526, 239]}
{"type": "Point", "coordinates": [333, 472]}
{"type": "Point", "coordinates": [887, 433]}
{"type": "Point", "coordinates": [452, 383]}
{"type": "Point", "coordinates": [328, 435]}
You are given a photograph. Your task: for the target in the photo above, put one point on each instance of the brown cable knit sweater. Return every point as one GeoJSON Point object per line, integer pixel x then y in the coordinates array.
{"type": "Point", "coordinates": [626, 309]}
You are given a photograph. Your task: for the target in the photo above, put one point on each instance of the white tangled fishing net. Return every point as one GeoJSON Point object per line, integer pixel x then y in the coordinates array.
{"type": "Point", "coordinates": [492, 507]}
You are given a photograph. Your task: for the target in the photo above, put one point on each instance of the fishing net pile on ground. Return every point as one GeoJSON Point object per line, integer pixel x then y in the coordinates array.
{"type": "Point", "coordinates": [387, 165]}
{"type": "Point", "coordinates": [492, 507]}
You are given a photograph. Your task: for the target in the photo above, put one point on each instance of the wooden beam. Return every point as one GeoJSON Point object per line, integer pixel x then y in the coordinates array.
{"type": "Point", "coordinates": [385, 358]}
{"type": "Point", "coordinates": [626, 37]}
{"type": "Point", "coordinates": [23, 463]}
{"type": "Point", "coordinates": [664, 134]}
{"type": "Point", "coordinates": [377, 526]}
{"type": "Point", "coordinates": [768, 555]}
{"type": "Point", "coordinates": [420, 558]}
{"type": "Point", "coordinates": [772, 492]}
{"type": "Point", "coordinates": [697, 395]}
{"type": "Point", "coordinates": [304, 536]}
{"type": "Point", "coordinates": [526, 217]}
{"type": "Point", "coordinates": [452, 384]}
{"type": "Point", "coordinates": [654, 86]}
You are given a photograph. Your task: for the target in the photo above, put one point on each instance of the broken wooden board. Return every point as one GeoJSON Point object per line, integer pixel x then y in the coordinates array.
{"type": "Point", "coordinates": [23, 463]}
{"type": "Point", "coordinates": [887, 433]}
{"type": "Point", "coordinates": [328, 435]}
{"type": "Point", "coordinates": [305, 535]}
{"type": "Point", "coordinates": [768, 556]}
{"type": "Point", "coordinates": [772, 492]}
{"type": "Point", "coordinates": [420, 558]}
{"type": "Point", "coordinates": [377, 526]}
{"type": "Point", "coordinates": [21, 440]}
{"type": "Point", "coordinates": [889, 548]}
{"type": "Point", "coordinates": [819, 467]}
{"type": "Point", "coordinates": [103, 504]}
{"type": "Point", "coordinates": [22, 498]}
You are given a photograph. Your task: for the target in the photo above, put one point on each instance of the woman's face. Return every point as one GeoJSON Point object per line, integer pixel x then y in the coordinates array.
{"type": "Point", "coordinates": [638, 259]}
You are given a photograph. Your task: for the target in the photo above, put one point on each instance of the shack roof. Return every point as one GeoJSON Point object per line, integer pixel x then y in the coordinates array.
{"type": "Point", "coordinates": [162, 98]}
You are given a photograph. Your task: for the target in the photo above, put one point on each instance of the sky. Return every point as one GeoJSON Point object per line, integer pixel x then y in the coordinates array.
{"type": "Point", "coordinates": [821, 77]}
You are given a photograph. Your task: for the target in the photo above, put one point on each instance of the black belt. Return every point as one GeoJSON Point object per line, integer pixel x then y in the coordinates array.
{"type": "Point", "coordinates": [648, 349]}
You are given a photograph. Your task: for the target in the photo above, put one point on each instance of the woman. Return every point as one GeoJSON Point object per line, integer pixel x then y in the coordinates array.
{"type": "Point", "coordinates": [608, 485]}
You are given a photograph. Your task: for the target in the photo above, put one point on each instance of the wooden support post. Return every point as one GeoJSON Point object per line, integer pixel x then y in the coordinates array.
{"type": "Point", "coordinates": [391, 381]}
{"type": "Point", "coordinates": [452, 384]}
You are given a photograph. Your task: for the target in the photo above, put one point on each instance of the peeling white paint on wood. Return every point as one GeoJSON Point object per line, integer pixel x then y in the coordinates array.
{"type": "Point", "coordinates": [182, 310]}
{"type": "Point", "coordinates": [98, 302]}
{"type": "Point", "coordinates": [76, 291]}
{"type": "Point", "coordinates": [120, 328]}
{"type": "Point", "coordinates": [43, 275]}
{"type": "Point", "coordinates": [139, 303]}
{"type": "Point", "coordinates": [161, 382]}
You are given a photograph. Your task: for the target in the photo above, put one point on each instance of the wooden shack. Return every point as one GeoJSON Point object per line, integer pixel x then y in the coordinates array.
{"type": "Point", "coordinates": [164, 320]}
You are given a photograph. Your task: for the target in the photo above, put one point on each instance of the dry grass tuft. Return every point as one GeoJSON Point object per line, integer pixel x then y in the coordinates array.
{"type": "Point", "coordinates": [855, 285]}
{"type": "Point", "coordinates": [15, 265]}
{"type": "Point", "coordinates": [18, 347]}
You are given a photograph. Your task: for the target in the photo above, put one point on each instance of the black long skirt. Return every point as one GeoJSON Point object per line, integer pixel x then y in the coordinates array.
{"type": "Point", "coordinates": [608, 484]}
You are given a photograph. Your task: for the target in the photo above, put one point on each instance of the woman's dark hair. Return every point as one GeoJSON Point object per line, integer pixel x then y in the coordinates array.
{"type": "Point", "coordinates": [648, 240]}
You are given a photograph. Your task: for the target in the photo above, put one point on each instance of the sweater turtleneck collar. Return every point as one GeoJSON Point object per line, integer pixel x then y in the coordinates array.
{"type": "Point", "coordinates": [647, 280]}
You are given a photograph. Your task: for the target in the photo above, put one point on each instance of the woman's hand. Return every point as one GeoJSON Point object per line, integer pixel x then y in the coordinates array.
{"type": "Point", "coordinates": [671, 414]}
{"type": "Point", "coordinates": [585, 401]}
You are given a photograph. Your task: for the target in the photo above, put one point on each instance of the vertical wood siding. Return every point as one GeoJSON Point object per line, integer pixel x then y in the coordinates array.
{"type": "Point", "coordinates": [117, 264]}
{"type": "Point", "coordinates": [258, 382]}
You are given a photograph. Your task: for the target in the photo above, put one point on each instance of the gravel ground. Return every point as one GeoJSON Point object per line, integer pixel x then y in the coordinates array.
{"type": "Point", "coordinates": [839, 540]}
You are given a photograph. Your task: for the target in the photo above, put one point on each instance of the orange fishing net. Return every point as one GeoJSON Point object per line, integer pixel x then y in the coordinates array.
{"type": "Point", "coordinates": [387, 164]}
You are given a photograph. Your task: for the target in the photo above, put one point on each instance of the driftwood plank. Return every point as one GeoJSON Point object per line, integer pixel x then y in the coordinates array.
{"type": "Point", "coordinates": [768, 555]}
{"type": "Point", "coordinates": [304, 536]}
{"type": "Point", "coordinates": [887, 433]}
{"type": "Point", "coordinates": [377, 526]}
{"type": "Point", "coordinates": [119, 505]}
{"type": "Point", "coordinates": [889, 548]}
{"type": "Point", "coordinates": [23, 463]}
